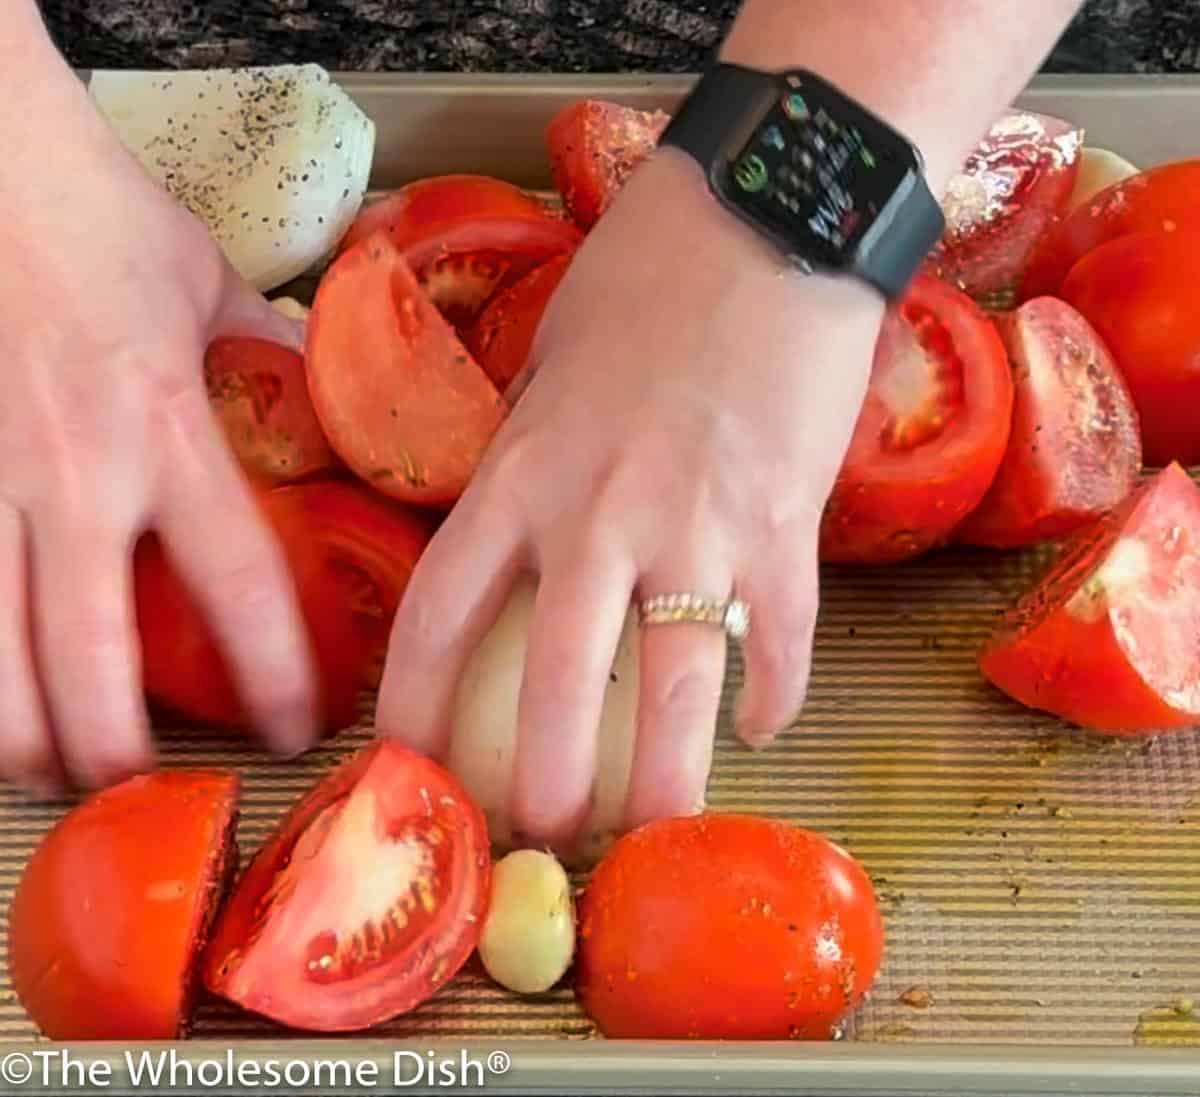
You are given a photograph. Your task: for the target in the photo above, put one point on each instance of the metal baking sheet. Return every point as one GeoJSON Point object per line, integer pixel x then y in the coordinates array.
{"type": "Point", "coordinates": [1041, 888]}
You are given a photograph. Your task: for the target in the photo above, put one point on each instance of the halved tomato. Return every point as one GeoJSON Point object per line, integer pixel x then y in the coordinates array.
{"type": "Point", "coordinates": [401, 399]}
{"type": "Point", "coordinates": [260, 395]}
{"type": "Point", "coordinates": [1141, 292]}
{"type": "Point", "coordinates": [1110, 637]}
{"type": "Point", "coordinates": [350, 553]}
{"type": "Point", "coordinates": [115, 904]}
{"type": "Point", "coordinates": [726, 927]}
{"type": "Point", "coordinates": [465, 237]}
{"type": "Point", "coordinates": [931, 434]}
{"type": "Point", "coordinates": [594, 147]}
{"type": "Point", "coordinates": [367, 898]}
{"type": "Point", "coordinates": [1011, 189]}
{"type": "Point", "coordinates": [503, 336]}
{"type": "Point", "coordinates": [1162, 199]}
{"type": "Point", "coordinates": [1075, 451]}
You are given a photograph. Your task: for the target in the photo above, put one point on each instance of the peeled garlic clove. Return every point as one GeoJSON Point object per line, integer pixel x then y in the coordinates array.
{"type": "Point", "coordinates": [1099, 168]}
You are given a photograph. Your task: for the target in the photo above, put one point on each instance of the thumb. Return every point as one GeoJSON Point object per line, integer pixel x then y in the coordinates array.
{"type": "Point", "coordinates": [246, 312]}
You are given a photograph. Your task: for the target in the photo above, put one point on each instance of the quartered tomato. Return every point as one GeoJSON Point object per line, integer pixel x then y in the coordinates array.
{"type": "Point", "coordinates": [259, 393]}
{"type": "Point", "coordinates": [115, 904]}
{"type": "Point", "coordinates": [1074, 452]}
{"type": "Point", "coordinates": [400, 398]}
{"type": "Point", "coordinates": [1142, 294]}
{"type": "Point", "coordinates": [1110, 638]}
{"type": "Point", "coordinates": [465, 237]}
{"type": "Point", "coordinates": [1163, 199]}
{"type": "Point", "coordinates": [725, 927]}
{"type": "Point", "coordinates": [503, 336]}
{"type": "Point", "coordinates": [932, 431]}
{"type": "Point", "coordinates": [367, 898]}
{"type": "Point", "coordinates": [350, 554]}
{"type": "Point", "coordinates": [594, 147]}
{"type": "Point", "coordinates": [1012, 188]}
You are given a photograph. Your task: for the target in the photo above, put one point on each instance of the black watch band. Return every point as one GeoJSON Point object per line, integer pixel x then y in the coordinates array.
{"type": "Point", "coordinates": [719, 105]}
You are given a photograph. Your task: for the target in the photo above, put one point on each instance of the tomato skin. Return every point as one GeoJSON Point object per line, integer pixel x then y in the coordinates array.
{"type": "Point", "coordinates": [910, 477]}
{"type": "Point", "coordinates": [258, 955]}
{"type": "Point", "coordinates": [115, 902]}
{"type": "Point", "coordinates": [1012, 188]}
{"type": "Point", "coordinates": [725, 927]}
{"type": "Point", "coordinates": [259, 393]}
{"type": "Point", "coordinates": [1142, 294]}
{"type": "Point", "coordinates": [1075, 450]}
{"type": "Point", "coordinates": [465, 237]}
{"type": "Point", "coordinates": [350, 555]}
{"type": "Point", "coordinates": [401, 399]}
{"type": "Point", "coordinates": [594, 147]}
{"type": "Point", "coordinates": [1109, 639]}
{"type": "Point", "coordinates": [1162, 199]}
{"type": "Point", "coordinates": [503, 336]}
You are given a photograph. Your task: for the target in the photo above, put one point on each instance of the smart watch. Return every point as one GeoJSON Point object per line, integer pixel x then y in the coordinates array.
{"type": "Point", "coordinates": [821, 177]}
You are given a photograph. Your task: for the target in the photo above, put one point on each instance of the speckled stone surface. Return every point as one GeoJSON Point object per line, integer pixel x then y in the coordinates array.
{"type": "Point", "coordinates": [523, 35]}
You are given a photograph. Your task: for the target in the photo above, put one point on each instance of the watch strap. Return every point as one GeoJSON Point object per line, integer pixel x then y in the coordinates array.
{"type": "Point", "coordinates": [716, 105]}
{"type": "Point", "coordinates": [915, 223]}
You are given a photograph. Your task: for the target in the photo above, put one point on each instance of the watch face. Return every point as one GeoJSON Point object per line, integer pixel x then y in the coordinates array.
{"type": "Point", "coordinates": [817, 172]}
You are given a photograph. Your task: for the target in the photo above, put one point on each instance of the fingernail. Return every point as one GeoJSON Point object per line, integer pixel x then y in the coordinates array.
{"type": "Point", "coordinates": [753, 737]}
{"type": "Point", "coordinates": [292, 733]}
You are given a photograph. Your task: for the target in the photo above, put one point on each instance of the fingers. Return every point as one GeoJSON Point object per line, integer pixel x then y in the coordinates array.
{"type": "Point", "coordinates": [455, 594]}
{"type": "Point", "coordinates": [86, 638]}
{"type": "Point", "coordinates": [577, 621]}
{"type": "Point", "coordinates": [682, 672]}
{"type": "Point", "coordinates": [245, 311]}
{"type": "Point", "coordinates": [234, 568]}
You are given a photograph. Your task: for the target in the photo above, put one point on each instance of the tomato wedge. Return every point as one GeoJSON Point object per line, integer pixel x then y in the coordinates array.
{"type": "Point", "coordinates": [115, 904]}
{"type": "Point", "coordinates": [401, 399]}
{"type": "Point", "coordinates": [368, 897]}
{"type": "Point", "coordinates": [465, 237]}
{"type": "Point", "coordinates": [726, 927]}
{"type": "Point", "coordinates": [503, 336]}
{"type": "Point", "coordinates": [1141, 292]}
{"type": "Point", "coordinates": [350, 553]}
{"type": "Point", "coordinates": [594, 147]}
{"type": "Point", "coordinates": [260, 395]}
{"type": "Point", "coordinates": [1110, 637]}
{"type": "Point", "coordinates": [931, 434]}
{"type": "Point", "coordinates": [1162, 199]}
{"type": "Point", "coordinates": [1011, 189]}
{"type": "Point", "coordinates": [1074, 452]}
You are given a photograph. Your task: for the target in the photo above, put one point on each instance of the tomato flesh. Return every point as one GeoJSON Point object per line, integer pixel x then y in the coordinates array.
{"type": "Point", "coordinates": [465, 237]}
{"type": "Point", "coordinates": [1110, 637]}
{"type": "Point", "coordinates": [931, 433]}
{"type": "Point", "coordinates": [366, 899]}
{"type": "Point", "coordinates": [1141, 292]}
{"type": "Point", "coordinates": [726, 927]}
{"type": "Point", "coordinates": [594, 147]}
{"type": "Point", "coordinates": [1011, 189]}
{"type": "Point", "coordinates": [115, 903]}
{"type": "Point", "coordinates": [1075, 451]}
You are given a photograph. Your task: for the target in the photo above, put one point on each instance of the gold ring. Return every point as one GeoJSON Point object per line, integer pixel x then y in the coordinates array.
{"type": "Point", "coordinates": [731, 615]}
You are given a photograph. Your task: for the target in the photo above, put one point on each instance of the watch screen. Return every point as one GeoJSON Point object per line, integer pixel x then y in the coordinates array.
{"type": "Point", "coordinates": [817, 174]}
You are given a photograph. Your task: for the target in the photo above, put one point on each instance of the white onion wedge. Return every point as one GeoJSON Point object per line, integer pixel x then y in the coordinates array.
{"type": "Point", "coordinates": [274, 160]}
{"type": "Point", "coordinates": [1098, 168]}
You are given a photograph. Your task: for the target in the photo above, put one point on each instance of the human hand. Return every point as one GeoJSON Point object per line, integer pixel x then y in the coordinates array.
{"type": "Point", "coordinates": [692, 404]}
{"type": "Point", "coordinates": [109, 296]}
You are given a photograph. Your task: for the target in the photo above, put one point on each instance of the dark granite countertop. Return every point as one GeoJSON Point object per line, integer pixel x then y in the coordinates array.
{"type": "Point", "coordinates": [1109, 36]}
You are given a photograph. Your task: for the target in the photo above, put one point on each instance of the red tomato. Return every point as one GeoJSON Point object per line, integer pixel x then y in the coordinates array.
{"type": "Point", "coordinates": [1110, 637]}
{"type": "Point", "coordinates": [725, 927]}
{"type": "Point", "coordinates": [931, 434]}
{"type": "Point", "coordinates": [1142, 294]}
{"type": "Point", "coordinates": [594, 147]}
{"type": "Point", "coordinates": [350, 554]}
{"type": "Point", "coordinates": [259, 393]}
{"type": "Point", "coordinates": [367, 898]}
{"type": "Point", "coordinates": [115, 903]}
{"type": "Point", "coordinates": [466, 236]}
{"type": "Point", "coordinates": [1010, 191]}
{"type": "Point", "coordinates": [1163, 199]}
{"type": "Point", "coordinates": [400, 398]}
{"type": "Point", "coordinates": [1074, 452]}
{"type": "Point", "coordinates": [503, 336]}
